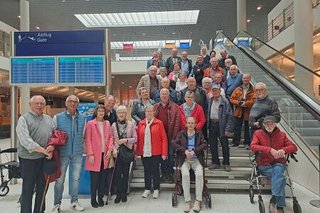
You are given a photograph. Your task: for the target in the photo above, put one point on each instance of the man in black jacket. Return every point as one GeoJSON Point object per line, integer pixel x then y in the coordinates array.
{"type": "Point", "coordinates": [174, 58]}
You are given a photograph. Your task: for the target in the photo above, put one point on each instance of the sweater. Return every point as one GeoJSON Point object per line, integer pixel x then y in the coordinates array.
{"type": "Point", "coordinates": [33, 131]}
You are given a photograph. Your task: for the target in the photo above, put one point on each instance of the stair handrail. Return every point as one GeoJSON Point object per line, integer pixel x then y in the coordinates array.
{"type": "Point", "coordinates": [277, 51]}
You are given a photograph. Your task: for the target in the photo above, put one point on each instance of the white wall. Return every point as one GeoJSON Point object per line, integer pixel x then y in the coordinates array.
{"type": "Point", "coordinates": [279, 9]}
{"type": "Point", "coordinates": [4, 63]}
{"type": "Point", "coordinates": [286, 37]}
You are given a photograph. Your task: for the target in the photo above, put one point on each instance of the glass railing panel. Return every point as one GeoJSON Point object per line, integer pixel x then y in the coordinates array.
{"type": "Point", "coordinates": [286, 65]}
{"type": "Point", "coordinates": [303, 123]}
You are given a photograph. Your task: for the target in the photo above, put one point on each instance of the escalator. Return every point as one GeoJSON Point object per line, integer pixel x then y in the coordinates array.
{"type": "Point", "coordinates": [300, 110]}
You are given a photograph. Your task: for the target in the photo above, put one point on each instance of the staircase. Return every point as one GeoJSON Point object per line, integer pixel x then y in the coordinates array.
{"type": "Point", "coordinates": [218, 179]}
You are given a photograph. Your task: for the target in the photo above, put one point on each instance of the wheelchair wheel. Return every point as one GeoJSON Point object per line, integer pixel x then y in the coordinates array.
{"type": "Point", "coordinates": [251, 194]}
{"type": "Point", "coordinates": [261, 207]}
{"type": "Point", "coordinates": [4, 190]}
{"type": "Point", "coordinates": [296, 206]}
{"type": "Point", "coordinates": [174, 200]}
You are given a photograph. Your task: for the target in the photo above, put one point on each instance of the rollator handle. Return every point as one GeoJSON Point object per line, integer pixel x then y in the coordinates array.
{"type": "Point", "coordinates": [293, 157]}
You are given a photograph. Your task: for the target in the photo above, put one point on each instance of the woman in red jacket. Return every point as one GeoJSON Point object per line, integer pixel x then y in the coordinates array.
{"type": "Point", "coordinates": [99, 144]}
{"type": "Point", "coordinates": [191, 109]}
{"type": "Point", "coordinates": [152, 145]}
{"type": "Point", "coordinates": [272, 145]}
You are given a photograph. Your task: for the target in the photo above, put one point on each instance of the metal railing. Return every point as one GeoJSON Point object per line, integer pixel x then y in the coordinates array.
{"type": "Point", "coordinates": [284, 20]}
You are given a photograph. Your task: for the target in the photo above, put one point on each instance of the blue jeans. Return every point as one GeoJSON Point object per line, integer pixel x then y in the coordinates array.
{"type": "Point", "coordinates": [75, 165]}
{"type": "Point", "coordinates": [278, 181]}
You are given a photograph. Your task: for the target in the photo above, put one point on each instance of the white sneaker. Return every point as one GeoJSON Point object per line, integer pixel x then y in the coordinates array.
{"type": "Point", "coordinates": [56, 208]}
{"type": "Point", "coordinates": [146, 193]}
{"type": "Point", "coordinates": [156, 194]}
{"type": "Point", "coordinates": [76, 206]}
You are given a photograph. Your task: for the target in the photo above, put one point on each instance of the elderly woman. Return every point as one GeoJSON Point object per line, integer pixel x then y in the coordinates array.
{"type": "Point", "coordinates": [138, 107]}
{"type": "Point", "coordinates": [152, 145]}
{"type": "Point", "coordinates": [175, 72]}
{"type": "Point", "coordinates": [182, 81]}
{"type": "Point", "coordinates": [190, 146]}
{"type": "Point", "coordinates": [124, 134]}
{"type": "Point", "coordinates": [99, 145]}
{"type": "Point", "coordinates": [191, 108]}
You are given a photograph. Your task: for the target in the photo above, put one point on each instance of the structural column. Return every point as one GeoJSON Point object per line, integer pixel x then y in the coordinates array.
{"type": "Point", "coordinates": [108, 86]}
{"type": "Point", "coordinates": [303, 43]}
{"type": "Point", "coordinates": [24, 26]}
{"type": "Point", "coordinates": [241, 15]}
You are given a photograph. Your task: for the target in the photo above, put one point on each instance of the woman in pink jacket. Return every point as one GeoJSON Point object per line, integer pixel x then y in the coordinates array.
{"type": "Point", "coordinates": [99, 144]}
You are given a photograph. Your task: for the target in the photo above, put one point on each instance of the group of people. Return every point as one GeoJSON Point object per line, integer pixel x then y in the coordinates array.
{"type": "Point", "coordinates": [180, 110]}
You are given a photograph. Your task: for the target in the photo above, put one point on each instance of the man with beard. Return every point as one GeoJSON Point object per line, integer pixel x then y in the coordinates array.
{"type": "Point", "coordinates": [272, 145]}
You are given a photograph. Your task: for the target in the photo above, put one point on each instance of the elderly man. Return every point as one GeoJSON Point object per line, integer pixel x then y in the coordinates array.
{"type": "Point", "coordinates": [224, 55]}
{"type": "Point", "coordinates": [34, 129]}
{"type": "Point", "coordinates": [220, 124]}
{"type": "Point", "coordinates": [111, 114]}
{"type": "Point", "coordinates": [272, 145]}
{"type": "Point", "coordinates": [213, 68]}
{"type": "Point", "coordinates": [73, 123]}
{"type": "Point", "coordinates": [200, 96]}
{"type": "Point", "coordinates": [150, 81]}
{"type": "Point", "coordinates": [205, 56]}
{"type": "Point", "coordinates": [226, 70]}
{"type": "Point", "coordinates": [242, 98]}
{"type": "Point", "coordinates": [165, 83]}
{"type": "Point", "coordinates": [185, 63]}
{"type": "Point", "coordinates": [168, 112]}
{"type": "Point", "coordinates": [234, 80]}
{"type": "Point", "coordinates": [174, 58]}
{"type": "Point", "coordinates": [198, 70]}
{"type": "Point", "coordinates": [263, 106]}
{"type": "Point", "coordinates": [190, 145]}
{"type": "Point", "coordinates": [154, 57]}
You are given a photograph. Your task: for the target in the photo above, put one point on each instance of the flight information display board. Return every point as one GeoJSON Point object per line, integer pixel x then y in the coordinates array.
{"type": "Point", "coordinates": [36, 70]}
{"type": "Point", "coordinates": [81, 70]}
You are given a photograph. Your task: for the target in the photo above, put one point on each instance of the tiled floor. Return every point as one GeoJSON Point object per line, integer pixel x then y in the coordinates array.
{"type": "Point", "coordinates": [222, 202]}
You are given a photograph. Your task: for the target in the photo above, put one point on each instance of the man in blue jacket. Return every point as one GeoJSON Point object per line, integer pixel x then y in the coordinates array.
{"type": "Point", "coordinates": [220, 125]}
{"type": "Point", "coordinates": [234, 80]}
{"type": "Point", "coordinates": [73, 124]}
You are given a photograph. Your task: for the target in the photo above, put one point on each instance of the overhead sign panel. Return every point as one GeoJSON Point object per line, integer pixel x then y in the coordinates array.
{"type": "Point", "coordinates": [36, 70]}
{"type": "Point", "coordinates": [81, 70]}
{"type": "Point", "coordinates": [49, 43]}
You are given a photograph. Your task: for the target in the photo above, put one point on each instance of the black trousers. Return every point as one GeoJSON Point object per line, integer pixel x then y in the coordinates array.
{"type": "Point", "coordinates": [167, 166]}
{"type": "Point", "coordinates": [214, 136]}
{"type": "Point", "coordinates": [237, 131]}
{"type": "Point", "coordinates": [33, 179]}
{"type": "Point", "coordinates": [97, 182]}
{"type": "Point", "coordinates": [122, 177]}
{"type": "Point", "coordinates": [151, 172]}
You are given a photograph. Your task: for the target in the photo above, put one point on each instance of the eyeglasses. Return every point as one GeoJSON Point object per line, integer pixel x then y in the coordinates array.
{"type": "Point", "coordinates": [260, 90]}
{"type": "Point", "coordinates": [73, 101]}
{"type": "Point", "coordinates": [39, 103]}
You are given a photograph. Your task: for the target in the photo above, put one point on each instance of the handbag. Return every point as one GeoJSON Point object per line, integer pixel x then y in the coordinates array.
{"type": "Point", "coordinates": [125, 153]}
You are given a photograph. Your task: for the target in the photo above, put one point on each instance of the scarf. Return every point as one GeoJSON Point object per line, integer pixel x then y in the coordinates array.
{"type": "Point", "coordinates": [188, 110]}
{"type": "Point", "coordinates": [147, 140]}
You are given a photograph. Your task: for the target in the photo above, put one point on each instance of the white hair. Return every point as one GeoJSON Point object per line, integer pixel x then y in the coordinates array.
{"type": "Point", "coordinates": [32, 99]}
{"type": "Point", "coordinates": [121, 108]}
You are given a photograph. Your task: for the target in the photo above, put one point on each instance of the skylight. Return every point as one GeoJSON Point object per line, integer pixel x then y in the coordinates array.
{"type": "Point", "coordinates": [182, 17]}
{"type": "Point", "coordinates": [148, 44]}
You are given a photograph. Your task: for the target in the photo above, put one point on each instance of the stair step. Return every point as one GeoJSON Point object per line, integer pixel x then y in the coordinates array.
{"type": "Point", "coordinates": [211, 184]}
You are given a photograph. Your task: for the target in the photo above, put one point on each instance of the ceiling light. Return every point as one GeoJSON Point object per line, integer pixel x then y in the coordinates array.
{"type": "Point", "coordinates": [162, 18]}
{"type": "Point", "coordinates": [19, 16]}
{"type": "Point", "coordinates": [259, 7]}
{"type": "Point", "coordinates": [38, 28]}
{"type": "Point", "coordinates": [248, 20]}
{"type": "Point", "coordinates": [148, 44]}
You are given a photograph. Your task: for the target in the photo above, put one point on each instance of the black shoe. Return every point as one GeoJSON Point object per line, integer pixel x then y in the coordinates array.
{"type": "Point", "coordinates": [117, 200]}
{"type": "Point", "coordinates": [100, 202]}
{"type": "Point", "coordinates": [124, 198]}
{"type": "Point", "coordinates": [94, 204]}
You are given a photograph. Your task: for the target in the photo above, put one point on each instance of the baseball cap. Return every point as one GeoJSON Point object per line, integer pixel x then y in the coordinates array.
{"type": "Point", "coordinates": [215, 86]}
{"type": "Point", "coordinates": [269, 118]}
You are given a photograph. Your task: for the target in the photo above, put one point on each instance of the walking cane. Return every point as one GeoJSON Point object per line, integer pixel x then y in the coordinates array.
{"type": "Point", "coordinates": [109, 187]}
{"type": "Point", "coordinates": [44, 192]}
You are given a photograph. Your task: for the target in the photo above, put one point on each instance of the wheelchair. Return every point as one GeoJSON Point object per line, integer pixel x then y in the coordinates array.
{"type": "Point", "coordinates": [178, 190]}
{"type": "Point", "coordinates": [8, 171]}
{"type": "Point", "coordinates": [258, 180]}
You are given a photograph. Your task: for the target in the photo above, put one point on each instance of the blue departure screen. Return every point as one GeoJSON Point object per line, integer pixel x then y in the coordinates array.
{"type": "Point", "coordinates": [33, 70]}
{"type": "Point", "coordinates": [81, 70]}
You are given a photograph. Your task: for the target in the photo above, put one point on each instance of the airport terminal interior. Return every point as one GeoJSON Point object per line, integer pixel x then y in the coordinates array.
{"type": "Point", "coordinates": [96, 48]}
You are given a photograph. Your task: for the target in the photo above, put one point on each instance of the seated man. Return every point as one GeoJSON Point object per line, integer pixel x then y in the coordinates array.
{"type": "Point", "coordinates": [272, 145]}
{"type": "Point", "coordinates": [189, 145]}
